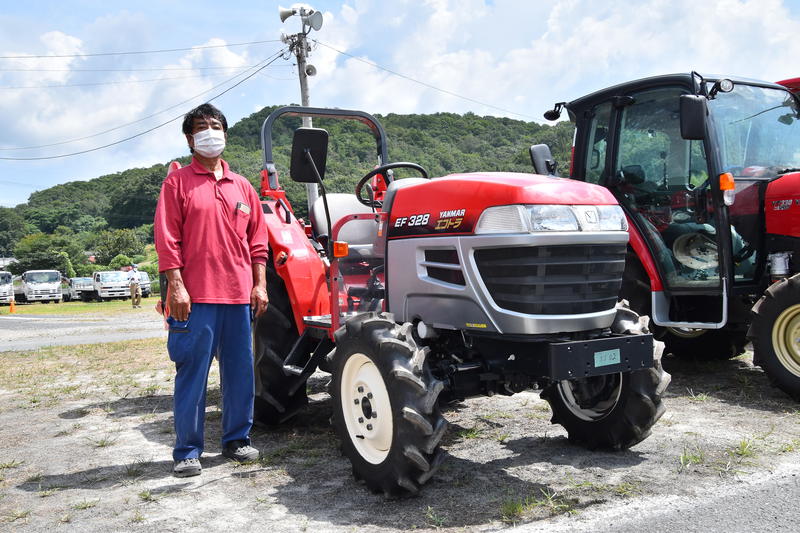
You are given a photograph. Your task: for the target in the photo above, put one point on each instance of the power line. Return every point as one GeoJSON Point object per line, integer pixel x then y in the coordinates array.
{"type": "Point", "coordinates": [262, 67]}
{"type": "Point", "coordinates": [98, 54]}
{"type": "Point", "coordinates": [15, 149]}
{"type": "Point", "coordinates": [424, 84]}
{"type": "Point", "coordinates": [148, 69]}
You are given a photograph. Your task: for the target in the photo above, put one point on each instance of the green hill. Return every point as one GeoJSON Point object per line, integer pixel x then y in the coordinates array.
{"type": "Point", "coordinates": [443, 143]}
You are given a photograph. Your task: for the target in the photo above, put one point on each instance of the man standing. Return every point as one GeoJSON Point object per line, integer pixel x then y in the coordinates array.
{"type": "Point", "coordinates": [136, 291]}
{"type": "Point", "coordinates": [212, 245]}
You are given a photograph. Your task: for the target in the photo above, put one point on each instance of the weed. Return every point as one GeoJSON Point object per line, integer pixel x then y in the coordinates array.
{"type": "Point", "coordinates": [147, 496]}
{"type": "Point", "coordinates": [85, 504]}
{"type": "Point", "coordinates": [627, 489]}
{"type": "Point", "coordinates": [691, 457]}
{"type": "Point", "coordinates": [44, 493]}
{"type": "Point", "coordinates": [104, 441]}
{"type": "Point", "coordinates": [472, 433]}
{"type": "Point", "coordinates": [68, 431]}
{"type": "Point", "coordinates": [790, 446]}
{"type": "Point", "coordinates": [134, 469]}
{"type": "Point", "coordinates": [35, 478]}
{"type": "Point", "coordinates": [18, 514]}
{"type": "Point", "coordinates": [150, 390]}
{"type": "Point", "coordinates": [554, 503]}
{"type": "Point", "coordinates": [511, 511]}
{"type": "Point", "coordinates": [745, 448]}
{"type": "Point", "coordinates": [503, 437]}
{"type": "Point", "coordinates": [699, 398]}
{"type": "Point", "coordinates": [434, 519]}
{"type": "Point", "coordinates": [137, 517]}
{"type": "Point", "coordinates": [11, 464]}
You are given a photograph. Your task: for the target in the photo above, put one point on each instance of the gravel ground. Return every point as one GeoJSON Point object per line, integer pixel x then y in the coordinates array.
{"type": "Point", "coordinates": [88, 448]}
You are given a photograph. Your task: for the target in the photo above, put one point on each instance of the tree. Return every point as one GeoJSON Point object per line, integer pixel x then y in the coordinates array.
{"type": "Point", "coordinates": [109, 244]}
{"type": "Point", "coordinates": [119, 261]}
{"type": "Point", "coordinates": [12, 228]}
{"type": "Point", "coordinates": [40, 251]}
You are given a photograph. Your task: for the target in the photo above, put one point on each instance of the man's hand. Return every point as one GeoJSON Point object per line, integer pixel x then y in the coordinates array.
{"type": "Point", "coordinates": [258, 300]}
{"type": "Point", "coordinates": [178, 301]}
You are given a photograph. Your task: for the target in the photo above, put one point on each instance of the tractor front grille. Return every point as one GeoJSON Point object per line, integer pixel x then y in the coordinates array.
{"type": "Point", "coordinates": [553, 280]}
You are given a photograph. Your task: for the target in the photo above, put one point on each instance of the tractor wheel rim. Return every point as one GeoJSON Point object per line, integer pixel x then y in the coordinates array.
{"type": "Point", "coordinates": [687, 333]}
{"type": "Point", "coordinates": [571, 395]}
{"type": "Point", "coordinates": [786, 339]}
{"type": "Point", "coordinates": [366, 408]}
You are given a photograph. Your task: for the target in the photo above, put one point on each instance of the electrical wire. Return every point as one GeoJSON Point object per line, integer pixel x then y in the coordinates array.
{"type": "Point", "coordinates": [262, 67]}
{"type": "Point", "coordinates": [98, 54]}
{"type": "Point", "coordinates": [16, 149]}
{"type": "Point", "coordinates": [149, 69]}
{"type": "Point", "coordinates": [424, 84]}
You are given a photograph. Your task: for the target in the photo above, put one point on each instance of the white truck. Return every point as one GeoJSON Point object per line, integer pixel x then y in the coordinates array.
{"type": "Point", "coordinates": [6, 288]}
{"type": "Point", "coordinates": [81, 288]}
{"type": "Point", "coordinates": [38, 286]}
{"type": "Point", "coordinates": [109, 284]}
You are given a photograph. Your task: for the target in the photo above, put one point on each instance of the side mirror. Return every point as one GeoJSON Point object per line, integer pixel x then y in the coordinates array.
{"type": "Point", "coordinates": [694, 110]}
{"type": "Point", "coordinates": [633, 174]}
{"type": "Point", "coordinates": [313, 141]}
{"type": "Point", "coordinates": [542, 159]}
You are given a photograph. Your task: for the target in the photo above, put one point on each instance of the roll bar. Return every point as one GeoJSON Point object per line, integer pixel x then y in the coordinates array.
{"type": "Point", "coordinates": [322, 112]}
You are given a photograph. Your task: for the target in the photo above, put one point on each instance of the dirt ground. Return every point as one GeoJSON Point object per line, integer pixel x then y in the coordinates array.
{"type": "Point", "coordinates": [86, 436]}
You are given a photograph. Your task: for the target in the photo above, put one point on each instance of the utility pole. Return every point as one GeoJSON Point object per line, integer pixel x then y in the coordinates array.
{"type": "Point", "coordinates": [298, 45]}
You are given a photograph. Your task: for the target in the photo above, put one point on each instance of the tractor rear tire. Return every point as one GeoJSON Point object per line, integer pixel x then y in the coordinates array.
{"type": "Point", "coordinates": [615, 411]}
{"type": "Point", "coordinates": [697, 344]}
{"type": "Point", "coordinates": [385, 405]}
{"type": "Point", "coordinates": [775, 332]}
{"type": "Point", "coordinates": [274, 335]}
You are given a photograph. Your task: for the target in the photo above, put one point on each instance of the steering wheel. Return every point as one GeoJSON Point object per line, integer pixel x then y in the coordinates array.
{"type": "Point", "coordinates": [380, 170]}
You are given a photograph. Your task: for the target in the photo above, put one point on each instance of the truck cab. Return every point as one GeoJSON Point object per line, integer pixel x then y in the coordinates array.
{"type": "Point", "coordinates": [38, 286]}
{"type": "Point", "coordinates": [81, 288]}
{"type": "Point", "coordinates": [6, 288]}
{"type": "Point", "coordinates": [110, 284]}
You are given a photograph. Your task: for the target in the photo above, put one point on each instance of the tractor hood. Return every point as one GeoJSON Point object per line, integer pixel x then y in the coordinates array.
{"type": "Point", "coordinates": [453, 204]}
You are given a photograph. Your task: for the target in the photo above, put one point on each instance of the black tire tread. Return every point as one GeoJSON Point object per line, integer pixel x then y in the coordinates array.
{"type": "Point", "coordinates": [419, 426]}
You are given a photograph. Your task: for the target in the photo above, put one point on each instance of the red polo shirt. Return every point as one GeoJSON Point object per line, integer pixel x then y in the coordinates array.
{"type": "Point", "coordinates": [213, 230]}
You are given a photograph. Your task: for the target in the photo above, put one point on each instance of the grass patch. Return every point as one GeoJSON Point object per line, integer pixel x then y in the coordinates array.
{"type": "Point", "coordinates": [17, 514]}
{"type": "Point", "coordinates": [434, 519]}
{"type": "Point", "coordinates": [551, 502]}
{"type": "Point", "coordinates": [791, 446]}
{"type": "Point", "coordinates": [698, 398]}
{"type": "Point", "coordinates": [147, 496]}
{"type": "Point", "coordinates": [11, 464]}
{"type": "Point", "coordinates": [470, 433]}
{"type": "Point", "coordinates": [85, 504]}
{"type": "Point", "coordinates": [744, 449]}
{"type": "Point", "coordinates": [691, 456]}
{"type": "Point", "coordinates": [110, 307]}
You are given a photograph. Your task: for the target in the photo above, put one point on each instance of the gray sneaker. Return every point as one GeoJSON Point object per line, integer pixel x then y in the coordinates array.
{"type": "Point", "coordinates": [240, 451]}
{"type": "Point", "coordinates": [187, 468]}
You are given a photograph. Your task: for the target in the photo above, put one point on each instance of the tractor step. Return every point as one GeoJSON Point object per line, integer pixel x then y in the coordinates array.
{"type": "Point", "coordinates": [320, 321]}
{"type": "Point", "coordinates": [293, 369]}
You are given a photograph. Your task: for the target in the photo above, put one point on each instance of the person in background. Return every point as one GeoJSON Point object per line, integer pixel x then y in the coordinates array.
{"type": "Point", "coordinates": [134, 281]}
{"type": "Point", "coordinates": [211, 241]}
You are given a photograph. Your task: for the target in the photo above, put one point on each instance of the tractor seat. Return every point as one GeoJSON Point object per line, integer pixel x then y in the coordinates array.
{"type": "Point", "coordinates": [359, 234]}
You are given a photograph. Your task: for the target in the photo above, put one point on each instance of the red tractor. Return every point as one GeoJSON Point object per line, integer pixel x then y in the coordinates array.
{"type": "Point", "coordinates": [416, 291]}
{"type": "Point", "coordinates": [708, 173]}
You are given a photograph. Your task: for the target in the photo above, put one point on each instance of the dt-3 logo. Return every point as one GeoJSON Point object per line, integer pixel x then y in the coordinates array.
{"type": "Point", "coordinates": [782, 205]}
{"type": "Point", "coordinates": [451, 219]}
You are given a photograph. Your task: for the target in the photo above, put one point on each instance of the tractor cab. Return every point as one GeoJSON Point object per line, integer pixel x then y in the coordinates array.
{"type": "Point", "coordinates": [707, 170]}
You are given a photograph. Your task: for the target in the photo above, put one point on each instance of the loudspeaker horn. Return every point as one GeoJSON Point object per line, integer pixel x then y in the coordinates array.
{"type": "Point", "coordinates": [286, 12]}
{"type": "Point", "coordinates": [311, 70]}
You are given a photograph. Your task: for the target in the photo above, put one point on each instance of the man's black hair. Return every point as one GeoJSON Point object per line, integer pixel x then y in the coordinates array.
{"type": "Point", "coordinates": [203, 111]}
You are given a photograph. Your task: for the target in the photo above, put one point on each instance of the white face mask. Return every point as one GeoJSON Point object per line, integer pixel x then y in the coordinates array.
{"type": "Point", "coordinates": [209, 142]}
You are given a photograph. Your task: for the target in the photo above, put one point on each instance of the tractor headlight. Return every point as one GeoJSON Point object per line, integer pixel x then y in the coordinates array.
{"type": "Point", "coordinates": [552, 218]}
{"type": "Point", "coordinates": [536, 218]}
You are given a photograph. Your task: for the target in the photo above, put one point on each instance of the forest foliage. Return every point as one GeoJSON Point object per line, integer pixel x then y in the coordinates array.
{"type": "Point", "coordinates": [113, 214]}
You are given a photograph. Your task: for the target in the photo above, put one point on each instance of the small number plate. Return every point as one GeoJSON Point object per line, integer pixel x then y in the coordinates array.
{"type": "Point", "coordinates": [606, 357]}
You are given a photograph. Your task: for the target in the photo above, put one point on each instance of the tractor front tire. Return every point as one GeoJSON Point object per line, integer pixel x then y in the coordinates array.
{"type": "Point", "coordinates": [385, 405]}
{"type": "Point", "coordinates": [775, 332]}
{"type": "Point", "coordinates": [615, 411]}
{"type": "Point", "coordinates": [274, 335]}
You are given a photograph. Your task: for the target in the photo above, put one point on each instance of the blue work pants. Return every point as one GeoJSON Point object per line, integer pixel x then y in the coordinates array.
{"type": "Point", "coordinates": [223, 330]}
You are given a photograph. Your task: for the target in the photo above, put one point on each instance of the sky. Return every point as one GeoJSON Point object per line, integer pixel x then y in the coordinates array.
{"type": "Point", "coordinates": [490, 57]}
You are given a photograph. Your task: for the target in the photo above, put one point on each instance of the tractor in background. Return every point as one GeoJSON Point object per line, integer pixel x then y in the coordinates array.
{"type": "Point", "coordinates": [413, 292]}
{"type": "Point", "coordinates": [707, 170]}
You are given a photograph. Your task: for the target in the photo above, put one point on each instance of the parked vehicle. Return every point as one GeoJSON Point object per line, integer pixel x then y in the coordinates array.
{"type": "Point", "coordinates": [38, 286]}
{"type": "Point", "coordinates": [145, 284]}
{"type": "Point", "coordinates": [107, 285]}
{"type": "Point", "coordinates": [707, 170]}
{"type": "Point", "coordinates": [81, 288]}
{"type": "Point", "coordinates": [6, 288]}
{"type": "Point", "coordinates": [415, 291]}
